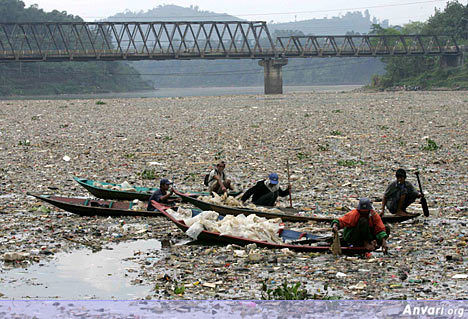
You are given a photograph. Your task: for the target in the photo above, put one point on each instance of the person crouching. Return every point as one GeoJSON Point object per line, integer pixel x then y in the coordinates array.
{"type": "Point", "coordinates": [363, 227]}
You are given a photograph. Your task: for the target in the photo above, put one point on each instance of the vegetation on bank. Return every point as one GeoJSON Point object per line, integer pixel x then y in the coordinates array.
{"type": "Point", "coordinates": [427, 72]}
{"type": "Point", "coordinates": [22, 78]}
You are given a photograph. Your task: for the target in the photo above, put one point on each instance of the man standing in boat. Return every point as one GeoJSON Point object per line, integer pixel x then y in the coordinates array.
{"type": "Point", "coordinates": [266, 192]}
{"type": "Point", "coordinates": [363, 227]}
{"type": "Point", "coordinates": [218, 181]}
{"type": "Point", "coordinates": [399, 194]}
{"type": "Point", "coordinates": [162, 194]}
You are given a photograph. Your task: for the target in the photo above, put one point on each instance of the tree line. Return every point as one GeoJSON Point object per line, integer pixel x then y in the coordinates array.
{"type": "Point", "coordinates": [427, 72]}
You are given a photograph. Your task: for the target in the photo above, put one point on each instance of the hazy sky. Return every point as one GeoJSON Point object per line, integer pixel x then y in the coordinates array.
{"type": "Point", "coordinates": [397, 11]}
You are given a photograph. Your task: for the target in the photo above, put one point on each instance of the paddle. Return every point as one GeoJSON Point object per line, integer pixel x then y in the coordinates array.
{"type": "Point", "coordinates": [423, 199]}
{"type": "Point", "coordinates": [336, 246]}
{"type": "Point", "coordinates": [289, 182]}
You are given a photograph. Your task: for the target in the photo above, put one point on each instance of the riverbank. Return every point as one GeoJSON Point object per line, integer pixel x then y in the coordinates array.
{"type": "Point", "coordinates": [188, 92]}
{"type": "Point", "coordinates": [340, 145]}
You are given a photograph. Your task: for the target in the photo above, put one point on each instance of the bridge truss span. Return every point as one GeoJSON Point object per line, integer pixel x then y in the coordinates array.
{"type": "Point", "coordinates": [87, 41]}
{"type": "Point", "coordinates": [366, 45]}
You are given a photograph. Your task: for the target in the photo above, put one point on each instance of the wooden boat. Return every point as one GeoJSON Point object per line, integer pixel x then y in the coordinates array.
{"type": "Point", "coordinates": [285, 234]}
{"type": "Point", "coordinates": [140, 193]}
{"type": "Point", "coordinates": [91, 207]}
{"type": "Point", "coordinates": [287, 215]}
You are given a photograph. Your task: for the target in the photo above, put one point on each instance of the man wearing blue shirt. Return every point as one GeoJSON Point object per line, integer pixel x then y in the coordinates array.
{"type": "Point", "coordinates": [162, 194]}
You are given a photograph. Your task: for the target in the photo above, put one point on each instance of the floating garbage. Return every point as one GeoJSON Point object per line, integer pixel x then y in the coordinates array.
{"type": "Point", "coordinates": [340, 146]}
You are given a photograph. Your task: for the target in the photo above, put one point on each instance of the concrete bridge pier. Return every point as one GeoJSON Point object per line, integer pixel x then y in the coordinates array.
{"type": "Point", "coordinates": [273, 75]}
{"type": "Point", "coordinates": [451, 61]}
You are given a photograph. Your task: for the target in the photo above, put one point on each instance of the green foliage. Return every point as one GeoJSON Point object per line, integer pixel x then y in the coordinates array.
{"type": "Point", "coordinates": [24, 143]}
{"type": "Point", "coordinates": [18, 78]}
{"type": "Point", "coordinates": [292, 292]}
{"type": "Point", "coordinates": [40, 209]}
{"type": "Point", "coordinates": [426, 72]}
{"type": "Point", "coordinates": [179, 290]}
{"type": "Point", "coordinates": [218, 154]}
{"type": "Point", "coordinates": [284, 292]}
{"type": "Point", "coordinates": [431, 145]}
{"type": "Point", "coordinates": [336, 133]}
{"type": "Point", "coordinates": [323, 148]}
{"type": "Point", "coordinates": [350, 163]}
{"type": "Point", "coordinates": [148, 174]}
{"type": "Point", "coordinates": [129, 155]}
{"type": "Point", "coordinates": [100, 102]}
{"type": "Point", "coordinates": [301, 156]}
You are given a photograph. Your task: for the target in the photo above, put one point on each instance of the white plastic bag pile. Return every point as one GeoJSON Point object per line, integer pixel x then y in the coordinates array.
{"type": "Point", "coordinates": [125, 186]}
{"type": "Point", "coordinates": [251, 227]}
{"type": "Point", "coordinates": [139, 205]}
{"type": "Point", "coordinates": [235, 202]}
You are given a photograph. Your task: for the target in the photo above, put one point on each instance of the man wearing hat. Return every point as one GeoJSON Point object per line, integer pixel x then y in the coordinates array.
{"type": "Point", "coordinates": [363, 227]}
{"type": "Point", "coordinates": [399, 194]}
{"type": "Point", "coordinates": [266, 191]}
{"type": "Point", "coordinates": [162, 194]}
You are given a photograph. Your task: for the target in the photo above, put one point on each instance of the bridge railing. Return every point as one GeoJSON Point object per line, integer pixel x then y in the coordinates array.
{"type": "Point", "coordinates": [366, 45]}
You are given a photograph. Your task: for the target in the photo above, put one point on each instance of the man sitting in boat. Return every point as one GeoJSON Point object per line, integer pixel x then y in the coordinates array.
{"type": "Point", "coordinates": [363, 227]}
{"type": "Point", "coordinates": [399, 194]}
{"type": "Point", "coordinates": [218, 181]}
{"type": "Point", "coordinates": [162, 194]}
{"type": "Point", "coordinates": [266, 191]}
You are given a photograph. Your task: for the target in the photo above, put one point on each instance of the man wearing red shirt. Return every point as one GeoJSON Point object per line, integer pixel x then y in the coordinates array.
{"type": "Point", "coordinates": [363, 227]}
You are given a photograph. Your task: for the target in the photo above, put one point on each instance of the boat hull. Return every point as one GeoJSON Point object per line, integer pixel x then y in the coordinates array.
{"type": "Point", "coordinates": [287, 216]}
{"type": "Point", "coordinates": [217, 238]}
{"type": "Point", "coordinates": [91, 207]}
{"type": "Point", "coordinates": [141, 193]}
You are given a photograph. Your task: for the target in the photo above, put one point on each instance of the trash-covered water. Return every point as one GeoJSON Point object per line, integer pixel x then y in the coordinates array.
{"type": "Point", "coordinates": [107, 274]}
{"type": "Point", "coordinates": [339, 146]}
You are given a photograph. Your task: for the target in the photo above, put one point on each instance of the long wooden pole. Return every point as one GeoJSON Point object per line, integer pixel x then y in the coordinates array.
{"type": "Point", "coordinates": [289, 183]}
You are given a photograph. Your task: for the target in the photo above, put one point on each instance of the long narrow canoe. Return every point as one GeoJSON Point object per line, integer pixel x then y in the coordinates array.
{"type": "Point", "coordinates": [91, 207]}
{"type": "Point", "coordinates": [285, 216]}
{"type": "Point", "coordinates": [285, 234]}
{"type": "Point", "coordinates": [115, 191]}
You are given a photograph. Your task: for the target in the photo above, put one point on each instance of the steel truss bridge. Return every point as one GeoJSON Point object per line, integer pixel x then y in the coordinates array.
{"type": "Point", "coordinates": [132, 41]}
{"type": "Point", "coordinates": [88, 41]}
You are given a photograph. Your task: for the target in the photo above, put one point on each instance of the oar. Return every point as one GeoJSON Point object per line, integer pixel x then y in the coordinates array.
{"type": "Point", "coordinates": [423, 199]}
{"type": "Point", "coordinates": [289, 182]}
{"type": "Point", "coordinates": [336, 246]}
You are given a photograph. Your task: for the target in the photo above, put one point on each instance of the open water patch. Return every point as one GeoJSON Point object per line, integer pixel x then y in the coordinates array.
{"type": "Point", "coordinates": [107, 274]}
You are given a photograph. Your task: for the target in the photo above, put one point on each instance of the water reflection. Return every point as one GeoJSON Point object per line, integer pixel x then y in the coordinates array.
{"type": "Point", "coordinates": [82, 274]}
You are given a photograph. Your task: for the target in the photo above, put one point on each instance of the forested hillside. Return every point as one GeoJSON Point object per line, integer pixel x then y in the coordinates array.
{"type": "Point", "coordinates": [427, 72]}
{"type": "Point", "coordinates": [22, 78]}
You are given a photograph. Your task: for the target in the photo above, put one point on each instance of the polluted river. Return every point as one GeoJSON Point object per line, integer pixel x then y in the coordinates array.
{"type": "Point", "coordinates": [340, 146]}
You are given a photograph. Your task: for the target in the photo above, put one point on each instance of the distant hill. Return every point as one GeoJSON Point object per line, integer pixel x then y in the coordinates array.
{"type": "Point", "coordinates": [171, 13]}
{"type": "Point", "coordinates": [355, 22]}
{"type": "Point", "coordinates": [203, 73]}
